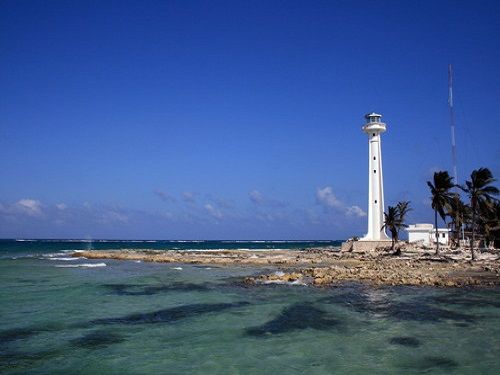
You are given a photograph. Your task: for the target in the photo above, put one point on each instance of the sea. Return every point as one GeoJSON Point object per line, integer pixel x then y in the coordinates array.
{"type": "Point", "coordinates": [65, 315]}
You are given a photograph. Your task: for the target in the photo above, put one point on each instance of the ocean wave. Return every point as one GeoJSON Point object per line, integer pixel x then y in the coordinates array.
{"type": "Point", "coordinates": [186, 241]}
{"type": "Point", "coordinates": [66, 259]}
{"type": "Point", "coordinates": [176, 268]}
{"type": "Point", "coordinates": [83, 265]}
{"type": "Point", "coordinates": [238, 249]}
{"type": "Point", "coordinates": [51, 255]}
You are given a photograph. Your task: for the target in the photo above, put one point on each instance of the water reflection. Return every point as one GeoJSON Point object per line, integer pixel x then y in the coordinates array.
{"type": "Point", "coordinates": [385, 303]}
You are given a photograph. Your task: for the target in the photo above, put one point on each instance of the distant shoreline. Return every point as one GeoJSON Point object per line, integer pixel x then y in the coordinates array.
{"type": "Point", "coordinates": [327, 267]}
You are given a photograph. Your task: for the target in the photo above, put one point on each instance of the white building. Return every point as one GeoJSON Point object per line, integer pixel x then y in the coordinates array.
{"type": "Point", "coordinates": [374, 128]}
{"type": "Point", "coordinates": [426, 234]}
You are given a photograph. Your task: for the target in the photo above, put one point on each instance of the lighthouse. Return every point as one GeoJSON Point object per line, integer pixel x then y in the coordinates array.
{"type": "Point", "coordinates": [374, 128]}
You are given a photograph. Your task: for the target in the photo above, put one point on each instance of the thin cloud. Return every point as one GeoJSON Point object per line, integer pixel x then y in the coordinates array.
{"type": "Point", "coordinates": [213, 211]}
{"type": "Point", "coordinates": [114, 216]}
{"type": "Point", "coordinates": [327, 198]}
{"type": "Point", "coordinates": [164, 196]}
{"type": "Point", "coordinates": [256, 197]}
{"type": "Point", "coordinates": [30, 207]}
{"type": "Point", "coordinates": [189, 197]}
{"type": "Point", "coordinates": [355, 211]}
{"type": "Point", "coordinates": [259, 199]}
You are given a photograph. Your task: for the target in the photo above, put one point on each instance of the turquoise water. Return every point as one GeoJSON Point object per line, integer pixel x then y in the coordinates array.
{"type": "Point", "coordinates": [61, 316]}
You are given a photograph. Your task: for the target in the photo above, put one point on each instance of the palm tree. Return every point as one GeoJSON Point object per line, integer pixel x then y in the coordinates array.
{"type": "Point", "coordinates": [442, 198]}
{"type": "Point", "coordinates": [459, 213]}
{"type": "Point", "coordinates": [394, 220]}
{"type": "Point", "coordinates": [489, 221]}
{"type": "Point", "coordinates": [403, 208]}
{"type": "Point", "coordinates": [481, 192]}
{"type": "Point", "coordinates": [391, 222]}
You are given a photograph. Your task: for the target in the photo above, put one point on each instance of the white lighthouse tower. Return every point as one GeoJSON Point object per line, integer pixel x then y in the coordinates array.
{"type": "Point", "coordinates": [374, 128]}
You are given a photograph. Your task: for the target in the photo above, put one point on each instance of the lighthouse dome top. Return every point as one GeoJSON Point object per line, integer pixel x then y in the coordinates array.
{"type": "Point", "coordinates": [374, 125]}
{"type": "Point", "coordinates": [373, 117]}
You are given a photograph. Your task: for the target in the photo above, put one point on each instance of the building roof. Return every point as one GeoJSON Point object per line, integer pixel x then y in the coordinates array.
{"type": "Point", "coordinates": [424, 227]}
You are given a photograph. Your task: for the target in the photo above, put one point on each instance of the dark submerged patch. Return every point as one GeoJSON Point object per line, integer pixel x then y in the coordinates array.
{"type": "Point", "coordinates": [295, 317]}
{"type": "Point", "coordinates": [463, 299]}
{"type": "Point", "coordinates": [145, 290]}
{"type": "Point", "coordinates": [405, 341]}
{"type": "Point", "coordinates": [429, 363]}
{"type": "Point", "coordinates": [19, 360]}
{"type": "Point", "coordinates": [15, 334]}
{"type": "Point", "coordinates": [98, 339]}
{"type": "Point", "coordinates": [170, 315]}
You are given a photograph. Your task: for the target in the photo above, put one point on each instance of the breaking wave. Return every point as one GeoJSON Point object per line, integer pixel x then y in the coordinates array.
{"type": "Point", "coordinates": [82, 265]}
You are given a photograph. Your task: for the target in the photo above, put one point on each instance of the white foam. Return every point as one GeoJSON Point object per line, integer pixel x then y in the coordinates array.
{"type": "Point", "coordinates": [282, 282]}
{"type": "Point", "coordinates": [226, 249]}
{"type": "Point", "coordinates": [176, 268]}
{"type": "Point", "coordinates": [83, 265]}
{"type": "Point", "coordinates": [66, 259]}
{"type": "Point", "coordinates": [274, 282]}
{"type": "Point", "coordinates": [51, 255]}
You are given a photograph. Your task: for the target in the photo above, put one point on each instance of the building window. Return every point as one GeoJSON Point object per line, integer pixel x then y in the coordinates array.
{"type": "Point", "coordinates": [374, 171]}
{"type": "Point", "coordinates": [442, 235]}
{"type": "Point", "coordinates": [373, 134]}
{"type": "Point", "coordinates": [375, 201]}
{"type": "Point", "coordinates": [374, 158]}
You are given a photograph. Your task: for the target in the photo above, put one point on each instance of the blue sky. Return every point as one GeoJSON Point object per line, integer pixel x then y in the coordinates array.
{"type": "Point", "coordinates": [234, 119]}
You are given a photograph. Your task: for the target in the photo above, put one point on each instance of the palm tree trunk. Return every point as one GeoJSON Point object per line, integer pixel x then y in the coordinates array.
{"type": "Point", "coordinates": [437, 234]}
{"type": "Point", "coordinates": [473, 230]}
{"type": "Point", "coordinates": [396, 239]}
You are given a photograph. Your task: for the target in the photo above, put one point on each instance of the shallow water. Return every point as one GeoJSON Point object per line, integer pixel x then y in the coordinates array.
{"type": "Point", "coordinates": [130, 318]}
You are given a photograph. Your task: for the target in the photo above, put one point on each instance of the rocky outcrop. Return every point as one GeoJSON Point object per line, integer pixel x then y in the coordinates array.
{"type": "Point", "coordinates": [394, 272]}
{"type": "Point", "coordinates": [322, 267]}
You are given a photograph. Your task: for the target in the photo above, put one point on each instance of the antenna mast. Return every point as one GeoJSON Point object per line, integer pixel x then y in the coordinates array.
{"type": "Point", "coordinates": [453, 143]}
{"type": "Point", "coordinates": [452, 123]}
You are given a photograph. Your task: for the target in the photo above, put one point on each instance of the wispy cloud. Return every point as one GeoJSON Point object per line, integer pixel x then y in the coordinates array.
{"type": "Point", "coordinates": [189, 197]}
{"type": "Point", "coordinates": [355, 211]}
{"type": "Point", "coordinates": [213, 211]}
{"type": "Point", "coordinates": [61, 206]}
{"type": "Point", "coordinates": [259, 199]}
{"type": "Point", "coordinates": [256, 197]}
{"type": "Point", "coordinates": [327, 198]}
{"type": "Point", "coordinates": [164, 196]}
{"type": "Point", "coordinates": [113, 216]}
{"type": "Point", "coordinates": [30, 207]}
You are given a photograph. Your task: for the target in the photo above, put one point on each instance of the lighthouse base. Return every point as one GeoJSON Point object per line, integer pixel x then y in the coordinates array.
{"type": "Point", "coordinates": [365, 246]}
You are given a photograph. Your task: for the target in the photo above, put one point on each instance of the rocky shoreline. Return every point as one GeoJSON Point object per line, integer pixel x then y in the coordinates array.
{"type": "Point", "coordinates": [327, 267]}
